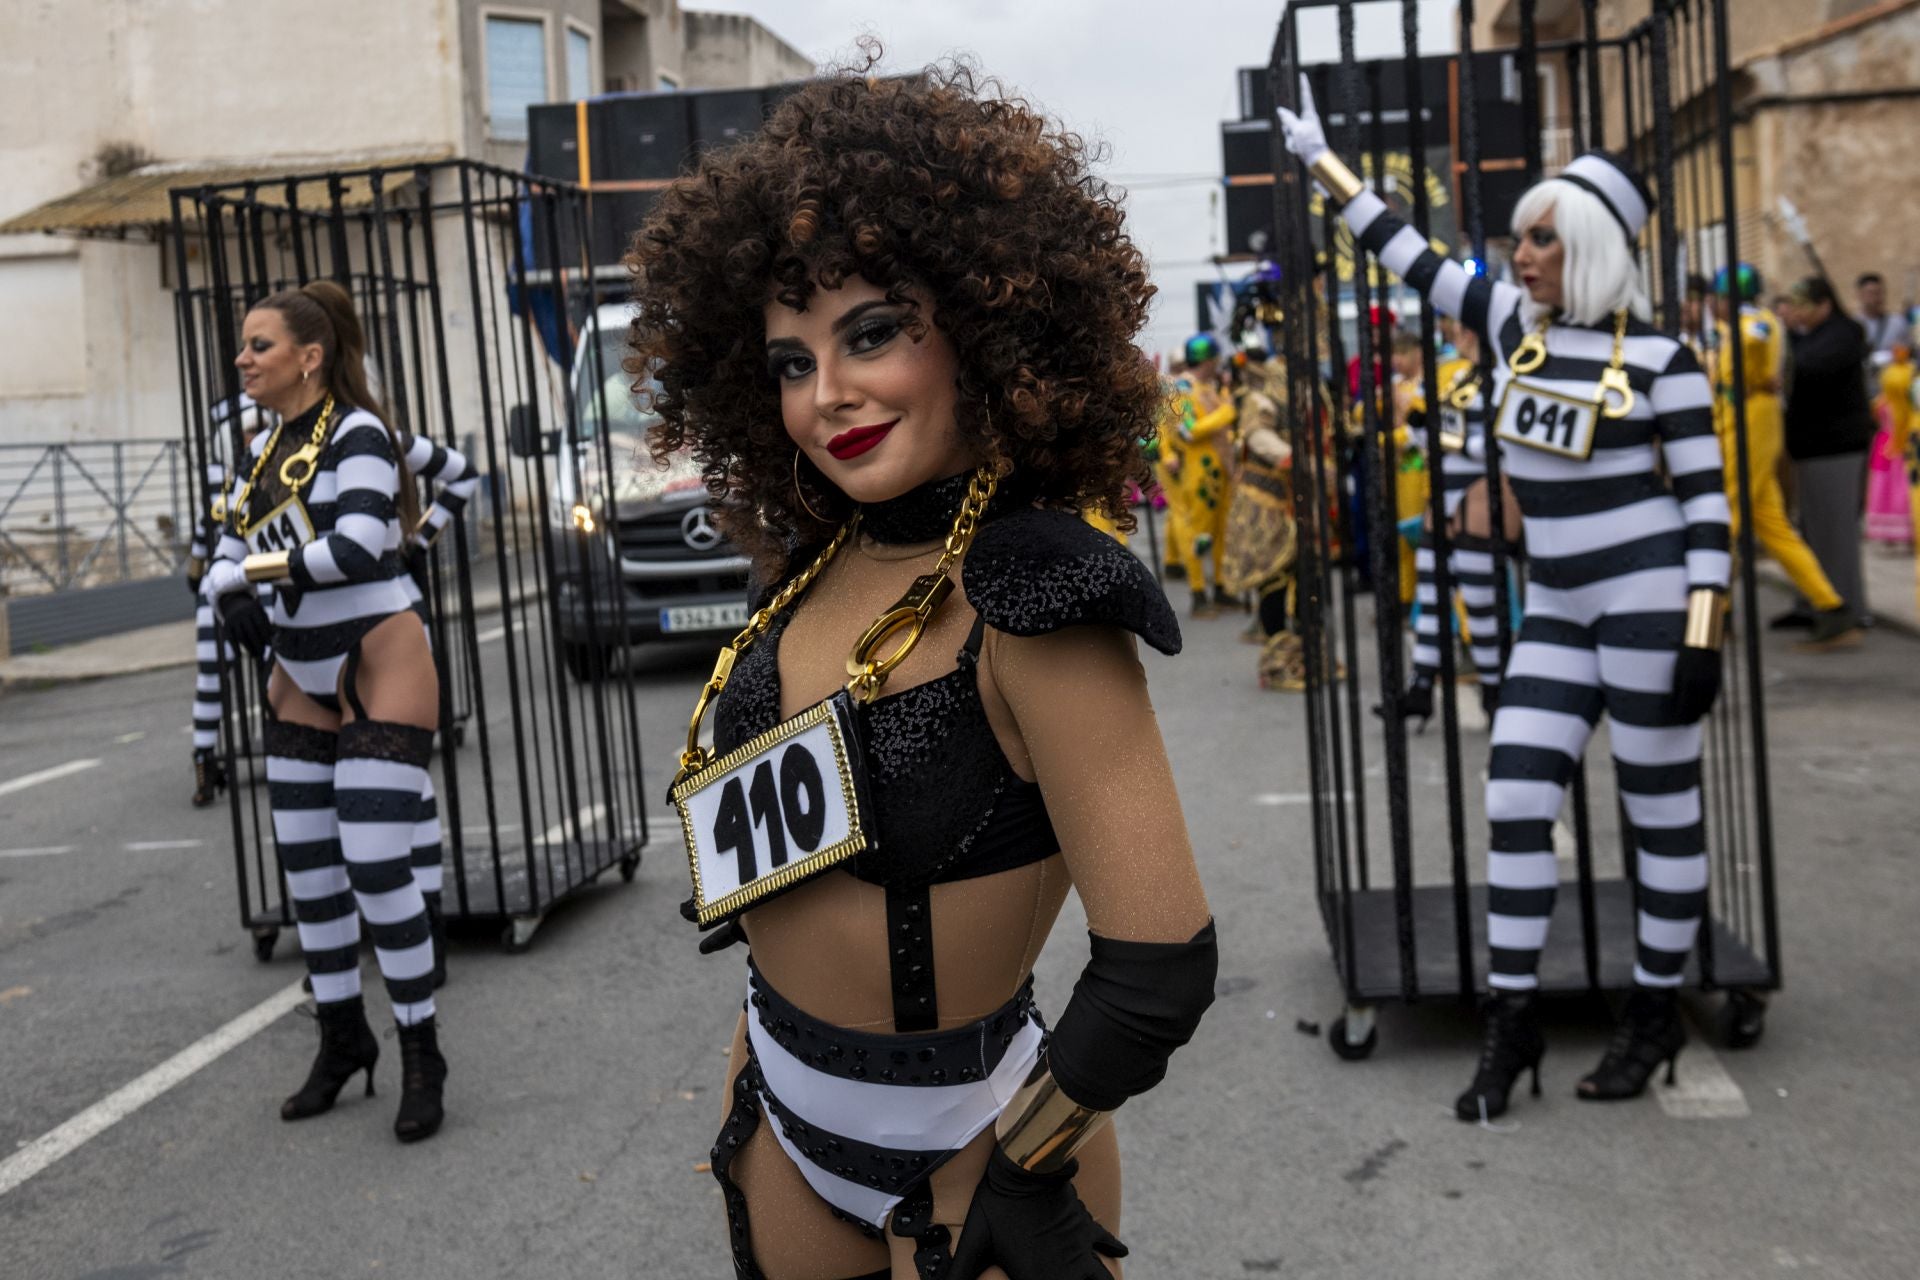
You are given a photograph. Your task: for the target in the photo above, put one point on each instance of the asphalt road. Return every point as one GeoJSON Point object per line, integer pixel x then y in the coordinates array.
{"type": "Point", "coordinates": [582, 1100]}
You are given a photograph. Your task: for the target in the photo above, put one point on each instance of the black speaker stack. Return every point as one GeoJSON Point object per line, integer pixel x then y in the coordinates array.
{"type": "Point", "coordinates": [625, 148]}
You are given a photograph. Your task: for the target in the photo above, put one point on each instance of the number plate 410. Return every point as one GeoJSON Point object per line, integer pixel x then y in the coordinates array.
{"type": "Point", "coordinates": [774, 812]}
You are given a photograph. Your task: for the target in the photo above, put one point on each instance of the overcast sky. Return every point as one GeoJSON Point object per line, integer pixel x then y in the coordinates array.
{"type": "Point", "coordinates": [1152, 80]}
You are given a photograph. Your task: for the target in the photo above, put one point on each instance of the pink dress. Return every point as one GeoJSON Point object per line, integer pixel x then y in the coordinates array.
{"type": "Point", "coordinates": [1889, 510]}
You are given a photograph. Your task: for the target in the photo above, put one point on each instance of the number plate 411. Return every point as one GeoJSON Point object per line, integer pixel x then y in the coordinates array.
{"type": "Point", "coordinates": [774, 812]}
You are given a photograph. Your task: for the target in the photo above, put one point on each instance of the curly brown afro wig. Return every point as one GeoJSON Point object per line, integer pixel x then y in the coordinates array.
{"type": "Point", "coordinates": [943, 184]}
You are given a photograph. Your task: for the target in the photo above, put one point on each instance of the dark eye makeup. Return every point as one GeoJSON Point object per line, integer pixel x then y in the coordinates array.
{"type": "Point", "coordinates": [1542, 237]}
{"type": "Point", "coordinates": [787, 360]}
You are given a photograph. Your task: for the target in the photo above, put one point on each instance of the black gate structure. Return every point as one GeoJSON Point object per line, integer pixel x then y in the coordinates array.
{"type": "Point", "coordinates": [539, 777]}
{"type": "Point", "coordinates": [1397, 819]}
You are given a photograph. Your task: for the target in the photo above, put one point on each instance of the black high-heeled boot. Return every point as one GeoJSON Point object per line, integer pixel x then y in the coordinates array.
{"type": "Point", "coordinates": [423, 1074]}
{"type": "Point", "coordinates": [1650, 1033]}
{"type": "Point", "coordinates": [347, 1045]}
{"type": "Point", "coordinates": [437, 930]}
{"type": "Point", "coordinates": [209, 776]}
{"type": "Point", "coordinates": [1416, 703]}
{"type": "Point", "coordinates": [1513, 1045]}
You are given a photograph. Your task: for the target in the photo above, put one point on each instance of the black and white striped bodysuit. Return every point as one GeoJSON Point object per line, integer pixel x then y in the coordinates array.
{"type": "Point", "coordinates": [1614, 547]}
{"type": "Point", "coordinates": [346, 580]}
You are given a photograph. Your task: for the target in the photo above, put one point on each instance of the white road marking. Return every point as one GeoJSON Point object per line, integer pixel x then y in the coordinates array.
{"type": "Point", "coordinates": [1292, 797]}
{"type": "Point", "coordinates": [486, 636]}
{"type": "Point", "coordinates": [147, 846]}
{"type": "Point", "coordinates": [589, 818]}
{"type": "Point", "coordinates": [45, 852]}
{"type": "Point", "coordinates": [483, 829]}
{"type": "Point", "coordinates": [1702, 1089]}
{"type": "Point", "coordinates": [124, 1101]}
{"type": "Point", "coordinates": [126, 738]}
{"type": "Point", "coordinates": [46, 775]}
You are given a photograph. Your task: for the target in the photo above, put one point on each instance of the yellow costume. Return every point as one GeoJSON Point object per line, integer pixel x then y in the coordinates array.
{"type": "Point", "coordinates": [1193, 451]}
{"type": "Point", "coordinates": [1762, 343]}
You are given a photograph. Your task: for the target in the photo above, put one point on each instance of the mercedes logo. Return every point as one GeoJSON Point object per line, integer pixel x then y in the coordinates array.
{"type": "Point", "coordinates": [697, 531]}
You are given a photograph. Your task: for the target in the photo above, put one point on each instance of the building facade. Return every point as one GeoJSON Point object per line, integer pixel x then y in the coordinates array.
{"type": "Point", "coordinates": [105, 105]}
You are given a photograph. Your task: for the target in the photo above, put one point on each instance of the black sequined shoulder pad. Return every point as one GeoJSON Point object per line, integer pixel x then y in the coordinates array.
{"type": "Point", "coordinates": [1033, 572]}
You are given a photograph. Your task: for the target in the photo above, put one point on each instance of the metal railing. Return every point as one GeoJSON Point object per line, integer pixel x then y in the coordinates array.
{"type": "Point", "coordinates": [86, 514]}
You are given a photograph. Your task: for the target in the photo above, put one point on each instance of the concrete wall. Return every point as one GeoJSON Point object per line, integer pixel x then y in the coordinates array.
{"type": "Point", "coordinates": [727, 51]}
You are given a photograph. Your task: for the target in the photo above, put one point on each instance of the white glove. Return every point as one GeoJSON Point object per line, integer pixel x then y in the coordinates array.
{"type": "Point", "coordinates": [1304, 136]}
{"type": "Point", "coordinates": [222, 577]}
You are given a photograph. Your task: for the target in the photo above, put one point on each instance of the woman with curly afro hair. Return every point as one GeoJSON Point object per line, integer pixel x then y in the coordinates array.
{"type": "Point", "coordinates": [895, 328]}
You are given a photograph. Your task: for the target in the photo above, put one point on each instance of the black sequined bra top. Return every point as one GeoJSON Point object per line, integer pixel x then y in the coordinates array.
{"type": "Point", "coordinates": [947, 804]}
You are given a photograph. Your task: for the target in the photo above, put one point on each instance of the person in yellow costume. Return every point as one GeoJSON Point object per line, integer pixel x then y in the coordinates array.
{"type": "Point", "coordinates": [1193, 454]}
{"type": "Point", "coordinates": [1763, 347]}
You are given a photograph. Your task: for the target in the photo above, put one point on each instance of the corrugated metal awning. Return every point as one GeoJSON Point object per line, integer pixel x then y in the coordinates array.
{"type": "Point", "coordinates": [137, 204]}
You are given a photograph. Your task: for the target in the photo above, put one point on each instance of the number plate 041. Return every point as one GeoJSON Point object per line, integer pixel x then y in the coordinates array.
{"type": "Point", "coordinates": [774, 812]}
{"type": "Point", "coordinates": [1537, 418]}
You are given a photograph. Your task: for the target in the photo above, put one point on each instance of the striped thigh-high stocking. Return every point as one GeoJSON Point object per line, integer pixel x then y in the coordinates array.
{"type": "Point", "coordinates": [206, 680]}
{"type": "Point", "coordinates": [1426, 627]}
{"type": "Point", "coordinates": [427, 855]}
{"type": "Point", "coordinates": [378, 781]}
{"type": "Point", "coordinates": [1473, 577]}
{"type": "Point", "coordinates": [300, 765]}
{"type": "Point", "coordinates": [1548, 708]}
{"type": "Point", "coordinates": [1658, 767]}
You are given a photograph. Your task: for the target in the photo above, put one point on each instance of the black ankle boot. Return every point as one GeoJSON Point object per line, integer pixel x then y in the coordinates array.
{"type": "Point", "coordinates": [423, 1074]}
{"type": "Point", "coordinates": [1650, 1033]}
{"type": "Point", "coordinates": [209, 776]}
{"type": "Point", "coordinates": [347, 1045]}
{"type": "Point", "coordinates": [1513, 1045]}
{"type": "Point", "coordinates": [437, 928]}
{"type": "Point", "coordinates": [1416, 703]}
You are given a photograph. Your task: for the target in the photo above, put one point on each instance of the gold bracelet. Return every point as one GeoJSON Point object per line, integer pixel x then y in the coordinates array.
{"type": "Point", "coordinates": [1453, 442]}
{"type": "Point", "coordinates": [1706, 619]}
{"type": "Point", "coordinates": [1342, 183]}
{"type": "Point", "coordinates": [267, 566]}
{"type": "Point", "coordinates": [1042, 1127]}
{"type": "Point", "coordinates": [427, 532]}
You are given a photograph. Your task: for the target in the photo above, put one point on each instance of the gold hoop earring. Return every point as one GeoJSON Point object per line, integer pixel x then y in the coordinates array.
{"type": "Point", "coordinates": [801, 494]}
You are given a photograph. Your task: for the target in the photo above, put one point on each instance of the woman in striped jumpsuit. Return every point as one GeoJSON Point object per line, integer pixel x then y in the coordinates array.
{"type": "Point", "coordinates": [354, 697]}
{"type": "Point", "coordinates": [1628, 574]}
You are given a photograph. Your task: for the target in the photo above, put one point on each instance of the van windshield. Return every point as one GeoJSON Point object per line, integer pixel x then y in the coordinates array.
{"type": "Point", "coordinates": [605, 383]}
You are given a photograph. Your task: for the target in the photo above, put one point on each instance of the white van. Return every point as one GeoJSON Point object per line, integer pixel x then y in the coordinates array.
{"type": "Point", "coordinates": [679, 577]}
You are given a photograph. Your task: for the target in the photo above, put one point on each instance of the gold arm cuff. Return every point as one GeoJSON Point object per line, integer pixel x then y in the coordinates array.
{"type": "Point", "coordinates": [267, 566]}
{"type": "Point", "coordinates": [196, 567]}
{"type": "Point", "coordinates": [1453, 442]}
{"type": "Point", "coordinates": [1042, 1127]}
{"type": "Point", "coordinates": [1342, 183]}
{"type": "Point", "coordinates": [1706, 619]}
{"type": "Point", "coordinates": [427, 532]}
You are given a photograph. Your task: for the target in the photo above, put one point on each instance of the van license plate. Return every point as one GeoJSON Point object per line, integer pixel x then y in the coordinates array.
{"type": "Point", "coordinates": [704, 617]}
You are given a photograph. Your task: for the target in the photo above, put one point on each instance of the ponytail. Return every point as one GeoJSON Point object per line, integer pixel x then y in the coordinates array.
{"type": "Point", "coordinates": [321, 312]}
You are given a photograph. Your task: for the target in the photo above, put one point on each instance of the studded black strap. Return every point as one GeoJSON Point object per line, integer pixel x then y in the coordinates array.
{"type": "Point", "coordinates": [910, 957]}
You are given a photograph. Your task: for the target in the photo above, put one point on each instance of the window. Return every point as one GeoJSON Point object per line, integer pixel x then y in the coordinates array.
{"type": "Point", "coordinates": [579, 63]}
{"type": "Point", "coordinates": [516, 52]}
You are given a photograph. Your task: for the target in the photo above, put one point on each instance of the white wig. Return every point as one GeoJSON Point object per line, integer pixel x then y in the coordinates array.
{"type": "Point", "coordinates": [1598, 274]}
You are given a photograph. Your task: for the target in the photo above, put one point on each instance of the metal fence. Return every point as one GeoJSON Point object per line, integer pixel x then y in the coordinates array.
{"type": "Point", "coordinates": [91, 514]}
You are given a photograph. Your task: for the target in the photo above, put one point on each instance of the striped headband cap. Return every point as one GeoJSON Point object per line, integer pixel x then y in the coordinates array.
{"type": "Point", "coordinates": [1619, 190]}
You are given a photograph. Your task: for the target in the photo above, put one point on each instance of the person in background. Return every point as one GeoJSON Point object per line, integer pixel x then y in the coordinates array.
{"type": "Point", "coordinates": [1885, 330]}
{"type": "Point", "coordinates": [1829, 430]}
{"type": "Point", "coordinates": [1889, 515]}
{"type": "Point", "coordinates": [1694, 329]}
{"type": "Point", "coordinates": [1763, 361]}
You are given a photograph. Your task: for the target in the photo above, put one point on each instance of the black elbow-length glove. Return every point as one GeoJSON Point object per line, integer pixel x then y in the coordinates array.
{"type": "Point", "coordinates": [1135, 1003]}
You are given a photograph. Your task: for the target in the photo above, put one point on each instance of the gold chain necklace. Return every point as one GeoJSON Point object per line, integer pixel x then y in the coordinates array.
{"type": "Point", "coordinates": [1532, 353]}
{"type": "Point", "coordinates": [307, 456]}
{"type": "Point", "coordinates": [867, 672]}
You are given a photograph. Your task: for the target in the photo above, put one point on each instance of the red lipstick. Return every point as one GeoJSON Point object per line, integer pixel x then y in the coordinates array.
{"type": "Point", "coordinates": [851, 444]}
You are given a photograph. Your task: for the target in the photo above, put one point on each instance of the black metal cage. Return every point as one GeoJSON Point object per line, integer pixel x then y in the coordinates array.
{"type": "Point", "coordinates": [1395, 868]}
{"type": "Point", "coordinates": [470, 343]}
